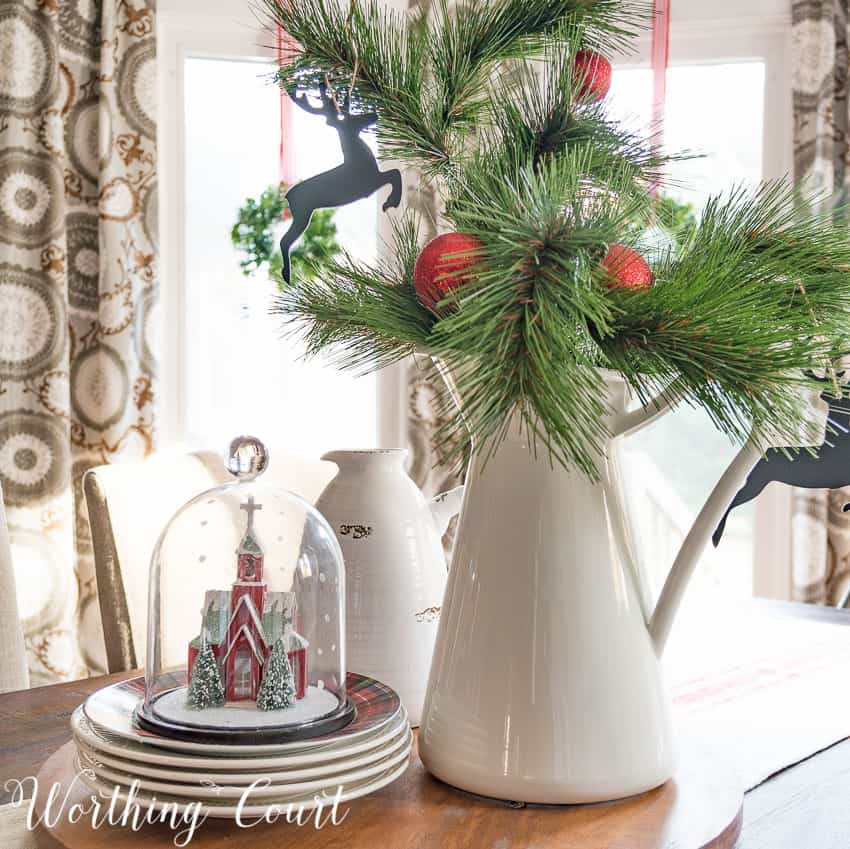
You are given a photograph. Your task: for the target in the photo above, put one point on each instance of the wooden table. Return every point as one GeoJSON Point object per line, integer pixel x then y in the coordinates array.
{"type": "Point", "coordinates": [806, 806]}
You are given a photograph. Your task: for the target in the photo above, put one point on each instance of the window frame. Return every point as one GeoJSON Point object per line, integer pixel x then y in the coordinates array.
{"type": "Point", "coordinates": [242, 672]}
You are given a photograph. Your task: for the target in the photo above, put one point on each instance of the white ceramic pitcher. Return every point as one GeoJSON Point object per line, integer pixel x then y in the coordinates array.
{"type": "Point", "coordinates": [545, 684]}
{"type": "Point", "coordinates": [395, 569]}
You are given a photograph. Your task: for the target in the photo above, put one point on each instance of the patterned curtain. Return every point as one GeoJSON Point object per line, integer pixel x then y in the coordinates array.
{"type": "Point", "coordinates": [423, 419]}
{"type": "Point", "coordinates": [820, 530]}
{"type": "Point", "coordinates": [77, 289]}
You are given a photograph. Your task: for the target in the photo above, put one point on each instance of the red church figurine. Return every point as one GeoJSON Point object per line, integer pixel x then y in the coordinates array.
{"type": "Point", "coordinates": [242, 624]}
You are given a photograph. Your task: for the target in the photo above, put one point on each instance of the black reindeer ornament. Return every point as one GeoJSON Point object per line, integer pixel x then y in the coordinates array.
{"type": "Point", "coordinates": [827, 467]}
{"type": "Point", "coordinates": [358, 177]}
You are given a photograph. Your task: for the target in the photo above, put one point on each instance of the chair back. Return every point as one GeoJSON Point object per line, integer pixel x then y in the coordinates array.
{"type": "Point", "coordinates": [13, 659]}
{"type": "Point", "coordinates": [129, 504]}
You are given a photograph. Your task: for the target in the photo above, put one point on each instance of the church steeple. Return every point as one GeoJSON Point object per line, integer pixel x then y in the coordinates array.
{"type": "Point", "coordinates": [250, 553]}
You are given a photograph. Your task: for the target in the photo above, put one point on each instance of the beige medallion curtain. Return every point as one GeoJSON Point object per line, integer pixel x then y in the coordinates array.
{"type": "Point", "coordinates": [820, 530]}
{"type": "Point", "coordinates": [427, 462]}
{"type": "Point", "coordinates": [77, 289]}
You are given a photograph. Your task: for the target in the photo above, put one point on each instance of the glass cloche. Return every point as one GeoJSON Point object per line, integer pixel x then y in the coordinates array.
{"type": "Point", "coordinates": [246, 615]}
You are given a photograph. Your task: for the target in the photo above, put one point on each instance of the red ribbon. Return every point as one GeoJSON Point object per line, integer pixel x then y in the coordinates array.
{"type": "Point", "coordinates": [287, 145]}
{"type": "Point", "coordinates": [659, 58]}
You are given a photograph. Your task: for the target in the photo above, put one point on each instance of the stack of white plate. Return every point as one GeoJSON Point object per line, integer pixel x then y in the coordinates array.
{"type": "Point", "coordinates": [115, 755]}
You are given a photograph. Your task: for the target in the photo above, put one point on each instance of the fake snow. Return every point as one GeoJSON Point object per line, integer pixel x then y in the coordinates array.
{"type": "Point", "coordinates": [316, 703]}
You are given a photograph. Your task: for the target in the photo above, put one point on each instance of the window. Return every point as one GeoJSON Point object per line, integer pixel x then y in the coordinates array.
{"type": "Point", "coordinates": [704, 117]}
{"type": "Point", "coordinates": [728, 96]}
{"type": "Point", "coordinates": [249, 566]}
{"type": "Point", "coordinates": [242, 683]}
{"type": "Point", "coordinates": [719, 96]}
{"type": "Point", "coordinates": [679, 459]}
{"type": "Point", "coordinates": [228, 370]}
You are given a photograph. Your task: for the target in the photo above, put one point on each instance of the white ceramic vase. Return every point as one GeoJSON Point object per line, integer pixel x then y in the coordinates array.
{"type": "Point", "coordinates": [545, 684]}
{"type": "Point", "coordinates": [391, 539]}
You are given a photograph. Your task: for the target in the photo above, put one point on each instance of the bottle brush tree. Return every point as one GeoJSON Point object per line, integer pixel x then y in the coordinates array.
{"type": "Point", "coordinates": [545, 282]}
{"type": "Point", "coordinates": [277, 690]}
{"type": "Point", "coordinates": [205, 688]}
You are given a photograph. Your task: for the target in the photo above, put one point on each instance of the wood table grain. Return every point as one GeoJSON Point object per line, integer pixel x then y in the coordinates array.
{"type": "Point", "coordinates": [35, 723]}
{"type": "Point", "coordinates": [806, 806]}
{"type": "Point", "coordinates": [700, 808]}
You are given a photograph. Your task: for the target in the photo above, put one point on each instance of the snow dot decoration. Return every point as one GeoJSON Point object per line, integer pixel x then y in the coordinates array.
{"type": "Point", "coordinates": [246, 615]}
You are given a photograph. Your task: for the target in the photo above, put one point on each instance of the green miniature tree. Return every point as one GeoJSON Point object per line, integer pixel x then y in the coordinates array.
{"type": "Point", "coordinates": [278, 688]}
{"type": "Point", "coordinates": [205, 688]}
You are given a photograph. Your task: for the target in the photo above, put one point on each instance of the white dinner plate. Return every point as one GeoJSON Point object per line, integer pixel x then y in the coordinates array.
{"type": "Point", "coordinates": [223, 775]}
{"type": "Point", "coordinates": [228, 811]}
{"type": "Point", "coordinates": [231, 792]}
{"type": "Point", "coordinates": [103, 741]}
{"type": "Point", "coordinates": [112, 709]}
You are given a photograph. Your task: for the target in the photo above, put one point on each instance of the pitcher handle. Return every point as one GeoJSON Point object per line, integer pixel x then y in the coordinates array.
{"type": "Point", "coordinates": [695, 542]}
{"type": "Point", "coordinates": [637, 419]}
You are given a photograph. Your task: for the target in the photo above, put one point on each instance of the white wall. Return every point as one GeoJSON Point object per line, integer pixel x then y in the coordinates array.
{"type": "Point", "coordinates": [239, 10]}
{"type": "Point", "coordinates": [727, 25]}
{"type": "Point", "coordinates": [685, 14]}
{"type": "Point", "coordinates": [700, 10]}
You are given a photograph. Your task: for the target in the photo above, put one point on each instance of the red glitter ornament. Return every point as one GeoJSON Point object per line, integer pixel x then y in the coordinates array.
{"type": "Point", "coordinates": [444, 265]}
{"type": "Point", "coordinates": [593, 71]}
{"type": "Point", "coordinates": [627, 268]}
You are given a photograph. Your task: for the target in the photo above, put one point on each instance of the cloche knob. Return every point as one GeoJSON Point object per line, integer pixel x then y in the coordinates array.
{"type": "Point", "coordinates": [247, 457]}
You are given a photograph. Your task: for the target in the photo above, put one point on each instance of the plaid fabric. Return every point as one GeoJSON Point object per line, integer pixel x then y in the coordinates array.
{"type": "Point", "coordinates": [375, 703]}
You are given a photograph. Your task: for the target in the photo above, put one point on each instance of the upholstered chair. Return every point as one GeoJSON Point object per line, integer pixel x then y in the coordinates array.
{"type": "Point", "coordinates": [129, 505]}
{"type": "Point", "coordinates": [13, 661]}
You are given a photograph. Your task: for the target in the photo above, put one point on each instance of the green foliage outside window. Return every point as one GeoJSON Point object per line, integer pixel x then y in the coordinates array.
{"type": "Point", "coordinates": [256, 234]}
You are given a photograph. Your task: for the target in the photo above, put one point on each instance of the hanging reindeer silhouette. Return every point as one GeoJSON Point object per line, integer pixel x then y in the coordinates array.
{"type": "Point", "coordinates": [358, 177]}
{"type": "Point", "coordinates": [828, 467]}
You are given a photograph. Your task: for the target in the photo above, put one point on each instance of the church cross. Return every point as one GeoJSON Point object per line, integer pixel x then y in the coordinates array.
{"type": "Point", "coordinates": [250, 508]}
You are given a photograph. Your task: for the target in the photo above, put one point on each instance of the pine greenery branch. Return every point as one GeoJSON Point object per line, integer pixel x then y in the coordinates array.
{"type": "Point", "coordinates": [751, 298]}
{"type": "Point", "coordinates": [367, 317]}
{"type": "Point", "coordinates": [469, 43]}
{"type": "Point", "coordinates": [754, 293]}
{"type": "Point", "coordinates": [373, 46]}
{"type": "Point", "coordinates": [542, 114]}
{"type": "Point", "coordinates": [430, 81]}
{"type": "Point", "coordinates": [533, 335]}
